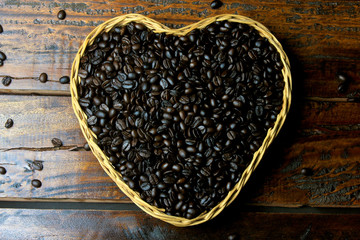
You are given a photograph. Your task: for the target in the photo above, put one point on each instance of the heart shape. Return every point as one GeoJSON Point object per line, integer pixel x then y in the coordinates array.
{"type": "Point", "coordinates": [180, 118]}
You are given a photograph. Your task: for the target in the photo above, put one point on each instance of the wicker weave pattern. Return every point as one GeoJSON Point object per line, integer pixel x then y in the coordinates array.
{"type": "Point", "coordinates": [158, 27]}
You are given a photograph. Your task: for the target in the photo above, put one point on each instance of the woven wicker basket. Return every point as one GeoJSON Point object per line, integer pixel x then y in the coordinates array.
{"type": "Point", "coordinates": [158, 27]}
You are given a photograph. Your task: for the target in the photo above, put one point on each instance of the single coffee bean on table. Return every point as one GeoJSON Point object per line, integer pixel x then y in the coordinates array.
{"type": "Point", "coordinates": [87, 147]}
{"type": "Point", "coordinates": [216, 4]}
{"type": "Point", "coordinates": [64, 80]}
{"type": "Point", "coordinates": [341, 77]}
{"type": "Point", "coordinates": [233, 236]}
{"type": "Point", "coordinates": [306, 172]}
{"type": "Point", "coordinates": [9, 123]}
{"type": "Point", "coordinates": [2, 170]}
{"type": "Point", "coordinates": [181, 117]}
{"type": "Point", "coordinates": [36, 165]}
{"type": "Point", "coordinates": [61, 15]}
{"type": "Point", "coordinates": [1, 29]}
{"type": "Point", "coordinates": [56, 142]}
{"type": "Point", "coordinates": [43, 77]}
{"type": "Point", "coordinates": [6, 81]}
{"type": "Point", "coordinates": [2, 56]}
{"type": "Point", "coordinates": [36, 183]}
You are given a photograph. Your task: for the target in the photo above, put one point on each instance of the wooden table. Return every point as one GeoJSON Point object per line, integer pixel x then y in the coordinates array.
{"type": "Point", "coordinates": [79, 201]}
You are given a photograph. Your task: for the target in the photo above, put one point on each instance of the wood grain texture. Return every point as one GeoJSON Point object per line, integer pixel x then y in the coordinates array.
{"type": "Point", "coordinates": [136, 225]}
{"type": "Point", "coordinates": [66, 175]}
{"type": "Point", "coordinates": [320, 37]}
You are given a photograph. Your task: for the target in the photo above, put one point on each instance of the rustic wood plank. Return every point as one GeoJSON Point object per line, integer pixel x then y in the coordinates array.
{"type": "Point", "coordinates": [310, 31]}
{"type": "Point", "coordinates": [66, 175]}
{"type": "Point", "coordinates": [334, 167]}
{"type": "Point", "coordinates": [38, 119]}
{"type": "Point", "coordinates": [87, 224]}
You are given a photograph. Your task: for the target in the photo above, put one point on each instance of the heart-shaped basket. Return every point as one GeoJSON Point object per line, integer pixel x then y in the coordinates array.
{"type": "Point", "coordinates": [159, 28]}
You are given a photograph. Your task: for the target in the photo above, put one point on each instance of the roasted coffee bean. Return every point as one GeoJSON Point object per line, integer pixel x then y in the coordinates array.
{"type": "Point", "coordinates": [216, 4]}
{"type": "Point", "coordinates": [2, 170]}
{"type": "Point", "coordinates": [181, 117]}
{"type": "Point", "coordinates": [233, 236]}
{"type": "Point", "coordinates": [87, 147]}
{"type": "Point", "coordinates": [36, 165]}
{"type": "Point", "coordinates": [342, 88]}
{"type": "Point", "coordinates": [61, 15]}
{"type": "Point", "coordinates": [92, 120]}
{"type": "Point", "coordinates": [9, 123]}
{"type": "Point", "coordinates": [56, 142]}
{"type": "Point", "coordinates": [1, 29]}
{"type": "Point", "coordinates": [2, 56]}
{"type": "Point", "coordinates": [306, 172]}
{"type": "Point", "coordinates": [36, 183]}
{"type": "Point", "coordinates": [6, 80]}
{"type": "Point", "coordinates": [341, 77]}
{"type": "Point", "coordinates": [64, 80]}
{"type": "Point", "coordinates": [43, 77]}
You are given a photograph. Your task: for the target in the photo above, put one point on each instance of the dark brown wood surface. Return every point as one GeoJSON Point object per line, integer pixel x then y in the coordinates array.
{"type": "Point", "coordinates": [135, 225]}
{"type": "Point", "coordinates": [322, 131]}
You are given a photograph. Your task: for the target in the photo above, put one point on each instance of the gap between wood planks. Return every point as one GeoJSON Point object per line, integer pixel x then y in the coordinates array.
{"type": "Point", "coordinates": [132, 207]}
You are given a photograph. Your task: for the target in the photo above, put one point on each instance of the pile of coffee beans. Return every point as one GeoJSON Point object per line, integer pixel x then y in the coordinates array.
{"type": "Point", "coordinates": [181, 117]}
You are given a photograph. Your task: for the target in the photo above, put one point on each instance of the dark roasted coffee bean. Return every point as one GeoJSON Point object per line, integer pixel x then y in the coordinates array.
{"type": "Point", "coordinates": [56, 142]}
{"type": "Point", "coordinates": [9, 123]}
{"type": "Point", "coordinates": [61, 15]}
{"type": "Point", "coordinates": [231, 135]}
{"type": "Point", "coordinates": [87, 147]}
{"type": "Point", "coordinates": [2, 170]}
{"type": "Point", "coordinates": [2, 56]}
{"type": "Point", "coordinates": [216, 4]}
{"type": "Point", "coordinates": [342, 88]}
{"type": "Point", "coordinates": [6, 80]}
{"type": "Point", "coordinates": [342, 77]}
{"type": "Point", "coordinates": [64, 80]}
{"type": "Point", "coordinates": [1, 29]}
{"type": "Point", "coordinates": [306, 172]}
{"type": "Point", "coordinates": [92, 120]}
{"type": "Point", "coordinates": [36, 165]}
{"type": "Point", "coordinates": [233, 236]}
{"type": "Point", "coordinates": [43, 77]}
{"type": "Point", "coordinates": [36, 183]}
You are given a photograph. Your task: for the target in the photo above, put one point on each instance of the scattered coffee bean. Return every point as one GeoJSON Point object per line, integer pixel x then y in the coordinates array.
{"type": "Point", "coordinates": [306, 172]}
{"type": "Point", "coordinates": [234, 236]}
{"type": "Point", "coordinates": [87, 147]}
{"type": "Point", "coordinates": [2, 56]}
{"type": "Point", "coordinates": [36, 183]}
{"type": "Point", "coordinates": [43, 77]}
{"type": "Point", "coordinates": [181, 117]}
{"type": "Point", "coordinates": [36, 165]}
{"type": "Point", "coordinates": [61, 15]}
{"type": "Point", "coordinates": [9, 123]}
{"type": "Point", "coordinates": [56, 142]}
{"type": "Point", "coordinates": [341, 77]}
{"type": "Point", "coordinates": [1, 29]}
{"type": "Point", "coordinates": [342, 88]}
{"type": "Point", "coordinates": [64, 80]}
{"type": "Point", "coordinates": [2, 170]}
{"type": "Point", "coordinates": [216, 4]}
{"type": "Point", "coordinates": [6, 80]}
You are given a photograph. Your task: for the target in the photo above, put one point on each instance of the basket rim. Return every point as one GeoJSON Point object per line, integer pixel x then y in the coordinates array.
{"type": "Point", "coordinates": [158, 27]}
